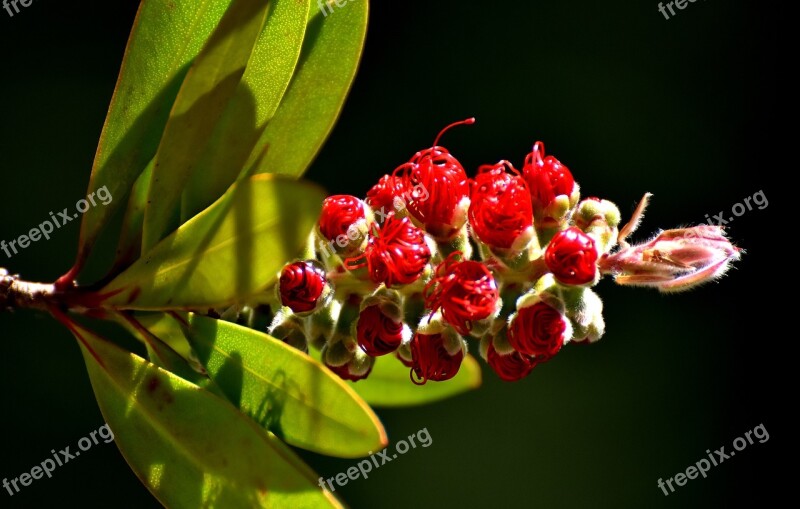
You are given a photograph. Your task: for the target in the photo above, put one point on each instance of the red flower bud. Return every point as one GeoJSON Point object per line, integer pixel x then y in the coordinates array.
{"type": "Point", "coordinates": [572, 257]}
{"type": "Point", "coordinates": [339, 212]}
{"type": "Point", "coordinates": [465, 291]}
{"type": "Point", "coordinates": [396, 253]}
{"type": "Point", "coordinates": [344, 371]}
{"type": "Point", "coordinates": [538, 330]}
{"type": "Point", "coordinates": [546, 177]}
{"type": "Point", "coordinates": [511, 367]}
{"type": "Point", "coordinates": [377, 333]}
{"type": "Point", "coordinates": [500, 210]}
{"type": "Point", "coordinates": [437, 189]}
{"type": "Point", "coordinates": [301, 285]}
{"type": "Point", "coordinates": [342, 357]}
{"type": "Point", "coordinates": [383, 194]}
{"type": "Point", "coordinates": [431, 360]}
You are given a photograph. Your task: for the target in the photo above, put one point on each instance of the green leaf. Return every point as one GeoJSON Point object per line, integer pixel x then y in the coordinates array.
{"type": "Point", "coordinates": [230, 251]}
{"type": "Point", "coordinates": [328, 64]}
{"type": "Point", "coordinates": [130, 241]}
{"type": "Point", "coordinates": [253, 104]}
{"type": "Point", "coordinates": [174, 356]}
{"type": "Point", "coordinates": [281, 388]}
{"type": "Point", "coordinates": [389, 385]}
{"type": "Point", "coordinates": [203, 97]}
{"type": "Point", "coordinates": [164, 327]}
{"type": "Point", "coordinates": [189, 447]}
{"type": "Point", "coordinates": [165, 38]}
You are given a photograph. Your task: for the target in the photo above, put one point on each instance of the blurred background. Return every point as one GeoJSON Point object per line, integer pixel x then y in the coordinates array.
{"type": "Point", "coordinates": [686, 108]}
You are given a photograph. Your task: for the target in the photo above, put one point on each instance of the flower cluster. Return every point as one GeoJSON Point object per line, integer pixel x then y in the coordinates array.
{"type": "Point", "coordinates": [508, 258]}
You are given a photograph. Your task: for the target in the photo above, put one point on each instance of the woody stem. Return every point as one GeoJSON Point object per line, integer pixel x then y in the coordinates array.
{"type": "Point", "coordinates": [18, 294]}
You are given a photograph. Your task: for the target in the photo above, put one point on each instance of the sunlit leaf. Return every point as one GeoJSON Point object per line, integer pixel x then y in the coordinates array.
{"type": "Point", "coordinates": [189, 447]}
{"type": "Point", "coordinates": [165, 38]}
{"type": "Point", "coordinates": [168, 352]}
{"type": "Point", "coordinates": [328, 64]}
{"type": "Point", "coordinates": [280, 387]}
{"type": "Point", "coordinates": [258, 95]}
{"type": "Point", "coordinates": [203, 97]}
{"type": "Point", "coordinates": [166, 329]}
{"type": "Point", "coordinates": [228, 252]}
{"type": "Point", "coordinates": [129, 246]}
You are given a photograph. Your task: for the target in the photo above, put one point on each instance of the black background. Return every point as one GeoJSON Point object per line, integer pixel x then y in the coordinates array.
{"type": "Point", "coordinates": [690, 109]}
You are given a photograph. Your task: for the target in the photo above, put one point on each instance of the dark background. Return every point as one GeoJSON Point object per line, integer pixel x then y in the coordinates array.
{"type": "Point", "coordinates": [687, 108]}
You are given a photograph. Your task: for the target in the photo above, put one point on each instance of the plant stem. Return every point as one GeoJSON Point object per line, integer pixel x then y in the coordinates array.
{"type": "Point", "coordinates": [18, 294]}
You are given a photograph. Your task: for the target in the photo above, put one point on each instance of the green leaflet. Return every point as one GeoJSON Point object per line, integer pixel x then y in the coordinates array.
{"type": "Point", "coordinates": [258, 95]}
{"type": "Point", "coordinates": [165, 38]}
{"type": "Point", "coordinates": [130, 241]}
{"type": "Point", "coordinates": [328, 64]}
{"type": "Point", "coordinates": [283, 389]}
{"type": "Point", "coordinates": [176, 357]}
{"type": "Point", "coordinates": [203, 97]}
{"type": "Point", "coordinates": [230, 251]}
{"type": "Point", "coordinates": [189, 447]}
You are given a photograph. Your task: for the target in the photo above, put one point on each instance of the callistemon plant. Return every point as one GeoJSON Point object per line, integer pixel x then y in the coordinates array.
{"type": "Point", "coordinates": [269, 316]}
{"type": "Point", "coordinates": [432, 260]}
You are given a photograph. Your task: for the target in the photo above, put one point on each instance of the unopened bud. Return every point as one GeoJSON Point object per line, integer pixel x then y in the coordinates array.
{"type": "Point", "coordinates": [675, 260]}
{"type": "Point", "coordinates": [586, 316]}
{"type": "Point", "coordinates": [598, 219]}
{"type": "Point", "coordinates": [289, 328]}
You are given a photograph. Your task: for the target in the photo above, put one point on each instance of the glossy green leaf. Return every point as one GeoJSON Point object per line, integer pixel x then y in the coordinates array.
{"type": "Point", "coordinates": [389, 385]}
{"type": "Point", "coordinates": [328, 63]}
{"type": "Point", "coordinates": [189, 447]}
{"type": "Point", "coordinates": [258, 95]}
{"type": "Point", "coordinates": [165, 327]}
{"type": "Point", "coordinates": [174, 356]}
{"type": "Point", "coordinates": [204, 95]}
{"type": "Point", "coordinates": [280, 387]}
{"type": "Point", "coordinates": [165, 38]}
{"type": "Point", "coordinates": [129, 246]}
{"type": "Point", "coordinates": [228, 252]}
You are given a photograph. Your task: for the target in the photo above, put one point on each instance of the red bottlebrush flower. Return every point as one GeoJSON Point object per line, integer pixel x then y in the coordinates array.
{"type": "Point", "coordinates": [301, 285]}
{"type": "Point", "coordinates": [437, 188]}
{"type": "Point", "coordinates": [377, 333]}
{"type": "Point", "coordinates": [431, 360]}
{"type": "Point", "coordinates": [344, 372]}
{"type": "Point", "coordinates": [500, 209]}
{"type": "Point", "coordinates": [511, 367]}
{"type": "Point", "coordinates": [546, 177]}
{"type": "Point", "coordinates": [538, 330]}
{"type": "Point", "coordinates": [465, 291]}
{"type": "Point", "coordinates": [396, 253]}
{"type": "Point", "coordinates": [339, 212]}
{"type": "Point", "coordinates": [572, 257]}
{"type": "Point", "coordinates": [383, 194]}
